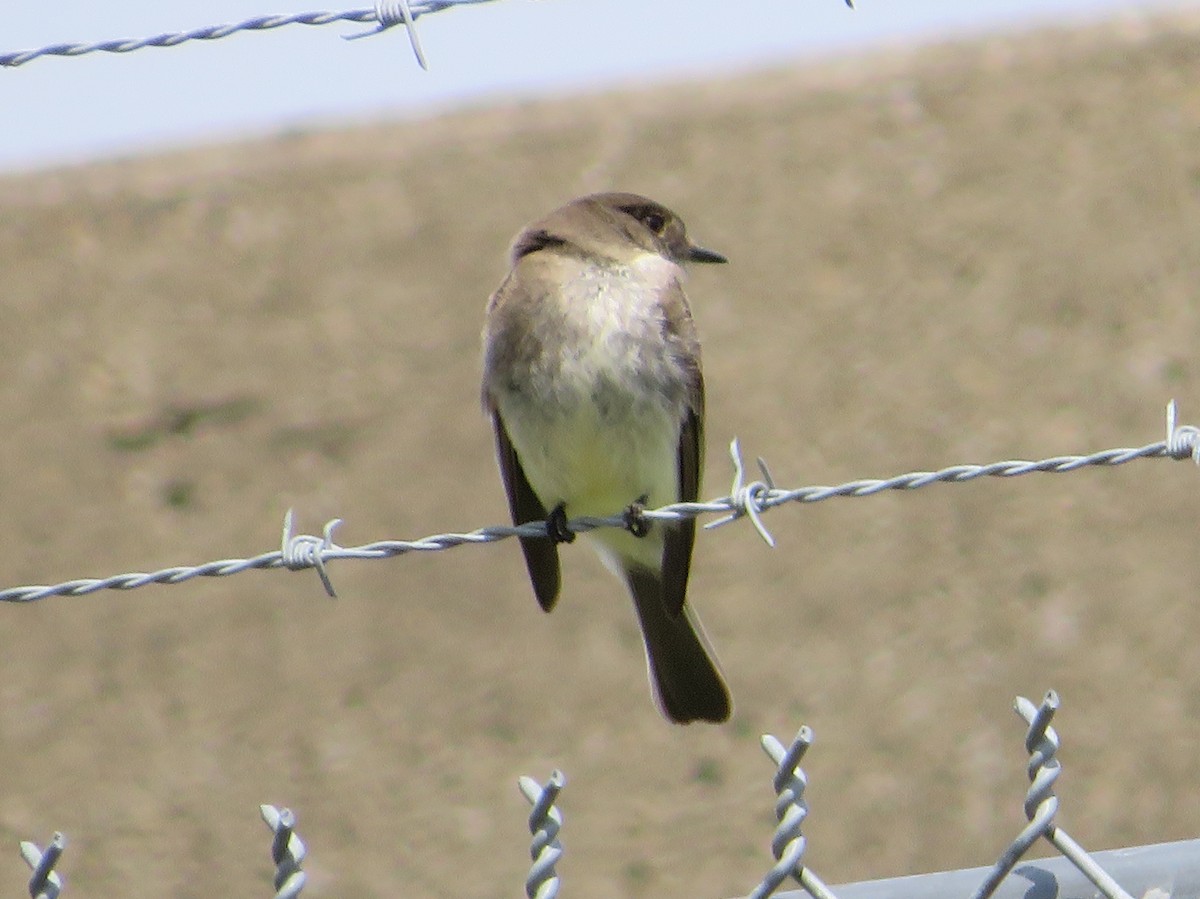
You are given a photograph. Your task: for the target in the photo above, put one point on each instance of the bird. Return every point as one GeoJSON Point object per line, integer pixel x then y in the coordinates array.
{"type": "Point", "coordinates": [593, 383]}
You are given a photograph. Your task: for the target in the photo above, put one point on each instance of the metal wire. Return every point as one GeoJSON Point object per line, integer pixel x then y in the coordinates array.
{"type": "Point", "coordinates": [745, 501]}
{"type": "Point", "coordinates": [545, 821]}
{"type": "Point", "coordinates": [384, 15]}
{"type": "Point", "coordinates": [788, 844]}
{"type": "Point", "coordinates": [1165, 870]}
{"type": "Point", "coordinates": [1041, 805]}
{"type": "Point", "coordinates": [287, 851]}
{"type": "Point", "coordinates": [44, 883]}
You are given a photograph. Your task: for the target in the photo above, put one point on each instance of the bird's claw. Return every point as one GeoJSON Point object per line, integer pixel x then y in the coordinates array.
{"type": "Point", "coordinates": [635, 520]}
{"type": "Point", "coordinates": [556, 525]}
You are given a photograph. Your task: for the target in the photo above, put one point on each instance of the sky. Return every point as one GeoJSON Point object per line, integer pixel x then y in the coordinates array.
{"type": "Point", "coordinates": [57, 110]}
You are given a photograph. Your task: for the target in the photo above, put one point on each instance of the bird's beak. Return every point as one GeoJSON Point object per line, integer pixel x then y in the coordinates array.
{"type": "Point", "coordinates": [699, 254]}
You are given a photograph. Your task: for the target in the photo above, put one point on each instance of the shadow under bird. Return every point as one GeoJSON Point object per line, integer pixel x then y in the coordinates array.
{"type": "Point", "coordinates": [592, 380]}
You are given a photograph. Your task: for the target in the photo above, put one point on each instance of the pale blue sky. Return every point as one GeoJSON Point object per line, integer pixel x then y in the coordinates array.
{"type": "Point", "coordinates": [57, 110]}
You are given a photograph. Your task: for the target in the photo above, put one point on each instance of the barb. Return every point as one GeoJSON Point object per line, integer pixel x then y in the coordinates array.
{"type": "Point", "coordinates": [750, 501]}
{"type": "Point", "coordinates": [747, 499]}
{"type": "Point", "coordinates": [787, 843]}
{"type": "Point", "coordinates": [391, 13]}
{"type": "Point", "coordinates": [385, 15]}
{"type": "Point", "coordinates": [287, 851]}
{"type": "Point", "coordinates": [305, 551]}
{"type": "Point", "coordinates": [1183, 441]}
{"type": "Point", "coordinates": [45, 883]}
{"type": "Point", "coordinates": [545, 821]}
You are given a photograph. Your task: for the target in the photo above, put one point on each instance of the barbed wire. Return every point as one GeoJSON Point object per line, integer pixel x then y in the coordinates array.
{"type": "Point", "coordinates": [746, 500]}
{"type": "Point", "coordinates": [385, 14]}
{"type": "Point", "coordinates": [1157, 866]}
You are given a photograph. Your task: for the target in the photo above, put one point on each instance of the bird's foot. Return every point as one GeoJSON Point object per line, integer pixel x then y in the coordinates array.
{"type": "Point", "coordinates": [635, 519]}
{"type": "Point", "coordinates": [556, 525]}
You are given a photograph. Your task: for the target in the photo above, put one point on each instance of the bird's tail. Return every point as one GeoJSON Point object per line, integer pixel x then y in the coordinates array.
{"type": "Point", "coordinates": [684, 673]}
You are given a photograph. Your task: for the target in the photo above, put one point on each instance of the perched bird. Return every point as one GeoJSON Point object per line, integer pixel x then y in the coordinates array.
{"type": "Point", "coordinates": [592, 379]}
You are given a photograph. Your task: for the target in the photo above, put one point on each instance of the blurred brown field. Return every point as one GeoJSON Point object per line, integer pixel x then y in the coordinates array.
{"type": "Point", "coordinates": [945, 254]}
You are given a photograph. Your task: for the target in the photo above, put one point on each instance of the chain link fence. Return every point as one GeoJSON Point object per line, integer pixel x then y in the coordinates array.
{"type": "Point", "coordinates": [1148, 872]}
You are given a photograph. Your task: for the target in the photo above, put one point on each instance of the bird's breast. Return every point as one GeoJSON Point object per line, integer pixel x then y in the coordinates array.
{"type": "Point", "coordinates": [604, 342]}
{"type": "Point", "coordinates": [594, 408]}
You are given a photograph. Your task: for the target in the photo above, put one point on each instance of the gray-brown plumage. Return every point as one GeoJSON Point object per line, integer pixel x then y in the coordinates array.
{"type": "Point", "coordinates": [592, 379]}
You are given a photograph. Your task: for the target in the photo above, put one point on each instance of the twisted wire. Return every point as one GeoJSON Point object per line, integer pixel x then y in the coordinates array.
{"type": "Point", "coordinates": [44, 883]}
{"type": "Point", "coordinates": [1041, 742]}
{"type": "Point", "coordinates": [1183, 441]}
{"type": "Point", "coordinates": [383, 15]}
{"type": "Point", "coordinates": [389, 14]}
{"type": "Point", "coordinates": [287, 851]}
{"type": "Point", "coordinates": [745, 501]}
{"type": "Point", "coordinates": [545, 821]}
{"type": "Point", "coordinates": [787, 842]}
{"type": "Point", "coordinates": [1041, 805]}
{"type": "Point", "coordinates": [1043, 769]}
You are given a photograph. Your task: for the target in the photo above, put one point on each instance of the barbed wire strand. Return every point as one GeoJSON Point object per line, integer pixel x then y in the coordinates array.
{"type": "Point", "coordinates": [44, 883]}
{"type": "Point", "coordinates": [287, 851]}
{"type": "Point", "coordinates": [385, 14]}
{"type": "Point", "coordinates": [545, 821]}
{"type": "Point", "coordinates": [302, 551]}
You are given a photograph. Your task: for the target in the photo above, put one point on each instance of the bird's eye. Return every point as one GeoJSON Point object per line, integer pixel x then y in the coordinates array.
{"type": "Point", "coordinates": [654, 221]}
{"type": "Point", "coordinates": [650, 216]}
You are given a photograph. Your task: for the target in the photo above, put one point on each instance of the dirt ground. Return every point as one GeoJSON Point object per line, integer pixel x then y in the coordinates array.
{"type": "Point", "coordinates": [950, 254]}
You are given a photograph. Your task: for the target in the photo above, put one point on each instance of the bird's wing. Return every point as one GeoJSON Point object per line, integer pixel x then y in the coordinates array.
{"type": "Point", "coordinates": [678, 539]}
{"type": "Point", "coordinates": [541, 554]}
